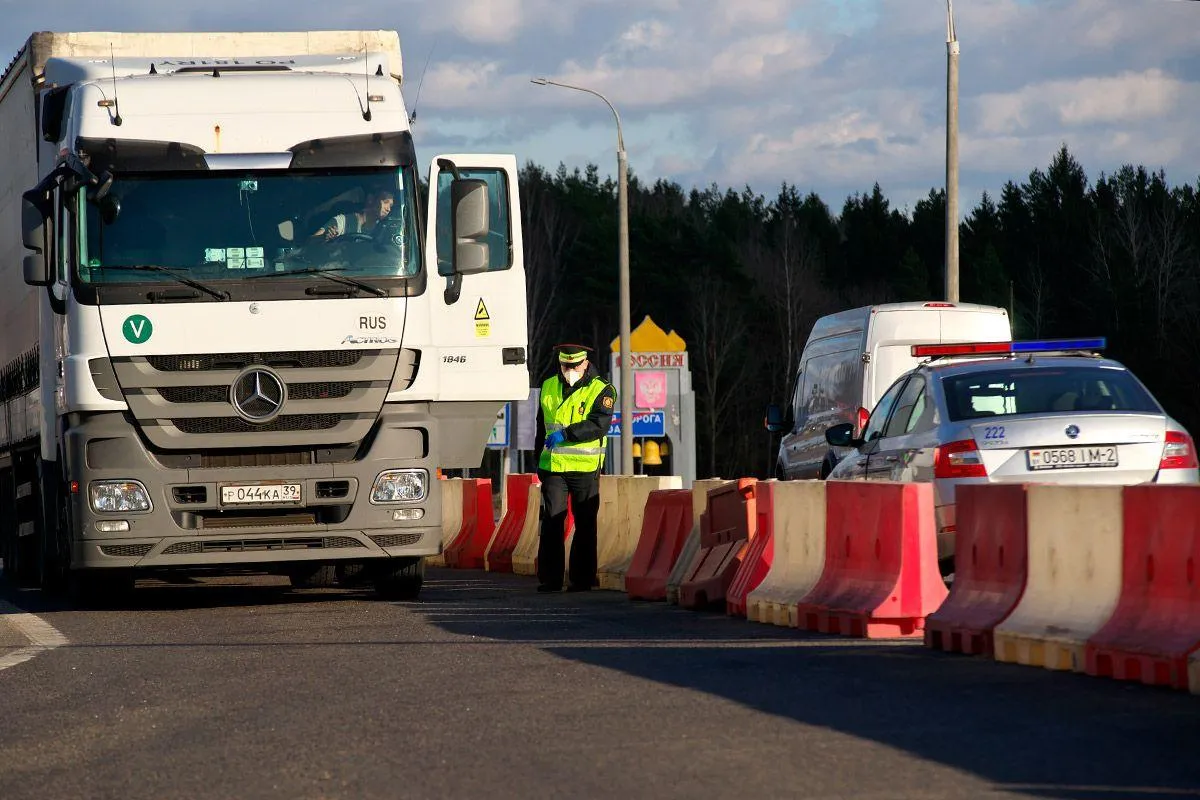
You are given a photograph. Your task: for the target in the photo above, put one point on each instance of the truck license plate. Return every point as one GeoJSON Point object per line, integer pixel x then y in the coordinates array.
{"type": "Point", "coordinates": [261, 493]}
{"type": "Point", "coordinates": [1072, 457]}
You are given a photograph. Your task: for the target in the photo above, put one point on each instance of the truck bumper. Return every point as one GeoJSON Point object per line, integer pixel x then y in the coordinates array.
{"type": "Point", "coordinates": [188, 525]}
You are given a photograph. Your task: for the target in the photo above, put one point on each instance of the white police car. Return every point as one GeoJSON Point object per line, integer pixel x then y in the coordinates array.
{"type": "Point", "coordinates": [1023, 411]}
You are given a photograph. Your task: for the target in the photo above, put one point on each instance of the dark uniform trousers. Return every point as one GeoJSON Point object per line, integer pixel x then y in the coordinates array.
{"type": "Point", "coordinates": [584, 491]}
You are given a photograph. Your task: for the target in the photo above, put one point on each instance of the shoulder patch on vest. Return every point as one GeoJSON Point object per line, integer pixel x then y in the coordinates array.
{"type": "Point", "coordinates": [607, 402]}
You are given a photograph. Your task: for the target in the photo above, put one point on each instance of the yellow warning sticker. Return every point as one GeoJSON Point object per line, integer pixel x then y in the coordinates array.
{"type": "Point", "coordinates": [483, 321]}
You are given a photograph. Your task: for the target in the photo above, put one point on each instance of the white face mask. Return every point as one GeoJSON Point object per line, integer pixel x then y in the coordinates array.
{"type": "Point", "coordinates": [573, 376]}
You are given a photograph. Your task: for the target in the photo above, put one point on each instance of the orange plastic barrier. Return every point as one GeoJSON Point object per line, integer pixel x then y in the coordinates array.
{"type": "Point", "coordinates": [991, 554]}
{"type": "Point", "coordinates": [725, 530]}
{"type": "Point", "coordinates": [759, 555]}
{"type": "Point", "coordinates": [666, 523]}
{"type": "Point", "coordinates": [478, 525]}
{"type": "Point", "coordinates": [881, 577]}
{"type": "Point", "coordinates": [499, 556]}
{"type": "Point", "coordinates": [1156, 624]}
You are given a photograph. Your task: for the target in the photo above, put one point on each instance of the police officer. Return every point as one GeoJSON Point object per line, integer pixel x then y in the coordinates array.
{"type": "Point", "coordinates": [576, 410]}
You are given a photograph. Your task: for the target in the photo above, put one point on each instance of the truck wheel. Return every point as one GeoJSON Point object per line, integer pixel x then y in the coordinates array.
{"type": "Point", "coordinates": [313, 576]}
{"type": "Point", "coordinates": [100, 588]}
{"type": "Point", "coordinates": [400, 578]}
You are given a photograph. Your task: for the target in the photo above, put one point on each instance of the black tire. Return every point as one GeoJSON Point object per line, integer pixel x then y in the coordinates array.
{"type": "Point", "coordinates": [399, 578]}
{"type": "Point", "coordinates": [313, 576]}
{"type": "Point", "coordinates": [780, 473]}
{"type": "Point", "coordinates": [100, 588]}
{"type": "Point", "coordinates": [826, 468]}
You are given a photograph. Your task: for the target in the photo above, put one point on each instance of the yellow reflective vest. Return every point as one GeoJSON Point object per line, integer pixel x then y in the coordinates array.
{"type": "Point", "coordinates": [558, 413]}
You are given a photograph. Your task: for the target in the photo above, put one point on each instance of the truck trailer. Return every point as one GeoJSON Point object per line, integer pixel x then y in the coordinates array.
{"type": "Point", "coordinates": [236, 331]}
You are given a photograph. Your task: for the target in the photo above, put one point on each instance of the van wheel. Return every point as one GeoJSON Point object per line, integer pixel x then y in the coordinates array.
{"type": "Point", "coordinates": [826, 468]}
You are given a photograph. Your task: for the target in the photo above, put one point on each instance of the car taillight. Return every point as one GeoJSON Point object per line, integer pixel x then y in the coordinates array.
{"type": "Point", "coordinates": [959, 460]}
{"type": "Point", "coordinates": [863, 418]}
{"type": "Point", "coordinates": [1179, 452]}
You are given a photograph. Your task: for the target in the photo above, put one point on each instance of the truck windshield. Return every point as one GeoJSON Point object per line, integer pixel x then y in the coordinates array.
{"type": "Point", "coordinates": [228, 226]}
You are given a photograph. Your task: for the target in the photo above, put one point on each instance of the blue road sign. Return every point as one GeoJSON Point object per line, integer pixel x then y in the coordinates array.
{"type": "Point", "coordinates": [645, 423]}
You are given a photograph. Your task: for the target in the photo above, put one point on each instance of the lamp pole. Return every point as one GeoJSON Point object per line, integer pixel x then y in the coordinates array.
{"type": "Point", "coordinates": [622, 280]}
{"type": "Point", "coordinates": [952, 51]}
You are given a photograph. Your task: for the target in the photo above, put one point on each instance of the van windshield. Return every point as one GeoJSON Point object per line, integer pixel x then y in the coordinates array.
{"type": "Point", "coordinates": [230, 225]}
{"type": "Point", "coordinates": [1044, 390]}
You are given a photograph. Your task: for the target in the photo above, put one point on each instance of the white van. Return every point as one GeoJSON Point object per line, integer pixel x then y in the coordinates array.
{"type": "Point", "coordinates": [850, 360]}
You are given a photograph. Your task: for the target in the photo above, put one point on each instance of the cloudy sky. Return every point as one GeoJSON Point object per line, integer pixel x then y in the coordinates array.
{"type": "Point", "coordinates": [831, 95]}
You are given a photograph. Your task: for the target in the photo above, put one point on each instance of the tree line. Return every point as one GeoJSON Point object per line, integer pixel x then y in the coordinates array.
{"type": "Point", "coordinates": [743, 277]}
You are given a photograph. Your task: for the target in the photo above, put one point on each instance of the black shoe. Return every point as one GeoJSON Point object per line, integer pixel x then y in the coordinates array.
{"type": "Point", "coordinates": [545, 588]}
{"type": "Point", "coordinates": [576, 588]}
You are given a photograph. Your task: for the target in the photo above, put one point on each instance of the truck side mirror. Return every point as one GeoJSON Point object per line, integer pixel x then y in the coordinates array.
{"type": "Point", "coordinates": [33, 236]}
{"type": "Point", "coordinates": [470, 214]}
{"type": "Point", "coordinates": [37, 272]}
{"type": "Point", "coordinates": [33, 226]}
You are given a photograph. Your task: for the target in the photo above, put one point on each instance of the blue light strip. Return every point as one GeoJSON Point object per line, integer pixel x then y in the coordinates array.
{"type": "Point", "coordinates": [1050, 345]}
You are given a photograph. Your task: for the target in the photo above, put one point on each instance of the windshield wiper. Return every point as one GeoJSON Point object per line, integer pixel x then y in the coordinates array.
{"type": "Point", "coordinates": [328, 274]}
{"type": "Point", "coordinates": [186, 281]}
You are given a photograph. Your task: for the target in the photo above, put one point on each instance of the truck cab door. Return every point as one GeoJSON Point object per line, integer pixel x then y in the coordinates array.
{"type": "Point", "coordinates": [477, 314]}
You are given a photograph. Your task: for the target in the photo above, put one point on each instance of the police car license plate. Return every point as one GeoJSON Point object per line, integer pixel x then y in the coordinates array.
{"type": "Point", "coordinates": [1072, 457]}
{"type": "Point", "coordinates": [261, 493]}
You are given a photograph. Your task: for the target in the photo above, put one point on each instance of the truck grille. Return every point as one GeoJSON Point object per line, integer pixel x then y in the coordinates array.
{"type": "Point", "coordinates": [207, 362]}
{"type": "Point", "coordinates": [396, 539]}
{"type": "Point", "coordinates": [249, 545]}
{"type": "Point", "coordinates": [296, 422]}
{"type": "Point", "coordinates": [333, 397]}
{"type": "Point", "coordinates": [126, 550]}
{"type": "Point", "coordinates": [220, 394]}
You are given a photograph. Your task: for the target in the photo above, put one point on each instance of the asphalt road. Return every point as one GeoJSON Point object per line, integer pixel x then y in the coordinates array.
{"type": "Point", "coordinates": [243, 689]}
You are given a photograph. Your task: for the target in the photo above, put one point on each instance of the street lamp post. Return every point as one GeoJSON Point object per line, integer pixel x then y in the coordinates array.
{"type": "Point", "coordinates": [623, 278]}
{"type": "Point", "coordinates": [952, 51]}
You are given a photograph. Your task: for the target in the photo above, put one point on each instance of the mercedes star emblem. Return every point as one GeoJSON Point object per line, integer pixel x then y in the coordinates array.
{"type": "Point", "coordinates": [1072, 431]}
{"type": "Point", "coordinates": [258, 395]}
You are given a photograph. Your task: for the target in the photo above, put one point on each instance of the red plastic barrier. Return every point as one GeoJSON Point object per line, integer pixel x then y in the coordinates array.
{"type": "Point", "coordinates": [757, 561]}
{"type": "Point", "coordinates": [468, 548]}
{"type": "Point", "coordinates": [1156, 624]}
{"type": "Point", "coordinates": [991, 552]}
{"type": "Point", "coordinates": [500, 553]}
{"type": "Point", "coordinates": [725, 529]}
{"type": "Point", "coordinates": [880, 577]}
{"type": "Point", "coordinates": [665, 526]}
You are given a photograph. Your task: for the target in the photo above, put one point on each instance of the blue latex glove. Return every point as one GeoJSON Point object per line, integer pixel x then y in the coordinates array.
{"type": "Point", "coordinates": [554, 440]}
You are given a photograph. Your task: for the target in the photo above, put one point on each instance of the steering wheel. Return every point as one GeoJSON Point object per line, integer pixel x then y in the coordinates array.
{"type": "Point", "coordinates": [354, 237]}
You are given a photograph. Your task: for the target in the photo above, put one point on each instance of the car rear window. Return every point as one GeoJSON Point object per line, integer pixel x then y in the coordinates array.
{"type": "Point", "coordinates": [1043, 390]}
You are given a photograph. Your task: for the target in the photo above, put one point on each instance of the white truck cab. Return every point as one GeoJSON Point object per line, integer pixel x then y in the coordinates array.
{"type": "Point", "coordinates": [256, 342]}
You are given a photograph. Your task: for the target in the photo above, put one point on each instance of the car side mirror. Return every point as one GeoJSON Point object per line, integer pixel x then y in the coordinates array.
{"type": "Point", "coordinates": [775, 421]}
{"type": "Point", "coordinates": [842, 435]}
{"type": "Point", "coordinates": [470, 215]}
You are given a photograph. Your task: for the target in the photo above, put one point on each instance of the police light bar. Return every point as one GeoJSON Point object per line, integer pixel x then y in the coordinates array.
{"type": "Point", "coordinates": [1007, 348]}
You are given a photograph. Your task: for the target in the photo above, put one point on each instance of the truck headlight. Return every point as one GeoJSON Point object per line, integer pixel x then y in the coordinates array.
{"type": "Point", "coordinates": [399, 485]}
{"type": "Point", "coordinates": [119, 496]}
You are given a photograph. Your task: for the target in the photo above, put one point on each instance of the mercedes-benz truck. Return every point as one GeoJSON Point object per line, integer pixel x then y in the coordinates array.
{"type": "Point", "coordinates": [236, 330]}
